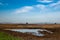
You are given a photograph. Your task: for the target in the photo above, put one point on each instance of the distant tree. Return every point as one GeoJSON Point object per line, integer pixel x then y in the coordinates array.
{"type": "Point", "coordinates": [26, 22]}
{"type": "Point", "coordinates": [54, 23]}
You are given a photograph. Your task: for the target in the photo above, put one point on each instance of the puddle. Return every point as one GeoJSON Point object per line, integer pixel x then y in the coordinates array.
{"type": "Point", "coordinates": [31, 31]}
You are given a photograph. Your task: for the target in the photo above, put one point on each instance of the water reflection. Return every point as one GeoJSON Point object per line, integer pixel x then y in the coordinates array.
{"type": "Point", "coordinates": [31, 31]}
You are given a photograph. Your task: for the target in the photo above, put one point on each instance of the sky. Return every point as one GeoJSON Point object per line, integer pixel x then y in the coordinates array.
{"type": "Point", "coordinates": [31, 11]}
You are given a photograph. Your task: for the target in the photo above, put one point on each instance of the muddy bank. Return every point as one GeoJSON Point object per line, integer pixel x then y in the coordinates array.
{"type": "Point", "coordinates": [22, 35]}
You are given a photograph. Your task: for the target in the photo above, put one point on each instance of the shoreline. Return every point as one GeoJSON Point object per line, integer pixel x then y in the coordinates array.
{"type": "Point", "coordinates": [54, 36]}
{"type": "Point", "coordinates": [21, 35]}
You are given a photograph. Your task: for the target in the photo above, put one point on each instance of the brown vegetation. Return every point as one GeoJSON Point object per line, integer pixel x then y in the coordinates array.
{"type": "Point", "coordinates": [55, 28]}
{"type": "Point", "coordinates": [54, 36]}
{"type": "Point", "coordinates": [18, 26]}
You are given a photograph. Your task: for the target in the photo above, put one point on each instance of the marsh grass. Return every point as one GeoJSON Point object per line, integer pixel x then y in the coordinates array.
{"type": "Point", "coordinates": [4, 36]}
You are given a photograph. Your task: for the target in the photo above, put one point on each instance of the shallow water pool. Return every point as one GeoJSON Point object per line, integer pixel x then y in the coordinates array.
{"type": "Point", "coordinates": [30, 31]}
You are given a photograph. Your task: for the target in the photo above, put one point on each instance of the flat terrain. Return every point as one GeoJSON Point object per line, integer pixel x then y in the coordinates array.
{"type": "Point", "coordinates": [55, 28]}
{"type": "Point", "coordinates": [20, 26]}
{"type": "Point", "coordinates": [24, 36]}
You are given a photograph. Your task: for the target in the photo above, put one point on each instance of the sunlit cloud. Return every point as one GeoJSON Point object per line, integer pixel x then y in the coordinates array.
{"type": "Point", "coordinates": [44, 1]}
{"type": "Point", "coordinates": [40, 6]}
{"type": "Point", "coordinates": [28, 9]}
{"type": "Point", "coordinates": [55, 4]}
{"type": "Point", "coordinates": [23, 9]}
{"type": "Point", "coordinates": [35, 8]}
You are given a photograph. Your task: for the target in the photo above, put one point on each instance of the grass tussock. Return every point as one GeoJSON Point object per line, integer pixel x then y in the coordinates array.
{"type": "Point", "coordinates": [4, 36]}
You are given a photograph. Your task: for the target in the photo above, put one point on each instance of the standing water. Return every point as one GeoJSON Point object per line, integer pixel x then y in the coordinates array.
{"type": "Point", "coordinates": [30, 31]}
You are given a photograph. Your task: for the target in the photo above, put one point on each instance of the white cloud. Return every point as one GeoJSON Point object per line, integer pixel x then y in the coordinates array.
{"type": "Point", "coordinates": [55, 4]}
{"type": "Point", "coordinates": [45, 1]}
{"type": "Point", "coordinates": [28, 9]}
{"type": "Point", "coordinates": [23, 9]}
{"type": "Point", "coordinates": [41, 6]}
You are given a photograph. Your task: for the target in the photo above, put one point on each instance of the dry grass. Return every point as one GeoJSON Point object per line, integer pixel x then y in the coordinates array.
{"type": "Point", "coordinates": [10, 26]}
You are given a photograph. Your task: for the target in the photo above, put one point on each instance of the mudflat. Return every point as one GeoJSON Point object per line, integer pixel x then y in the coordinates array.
{"type": "Point", "coordinates": [54, 36]}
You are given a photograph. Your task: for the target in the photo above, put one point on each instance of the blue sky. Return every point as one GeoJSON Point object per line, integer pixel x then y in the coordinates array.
{"type": "Point", "coordinates": [31, 11]}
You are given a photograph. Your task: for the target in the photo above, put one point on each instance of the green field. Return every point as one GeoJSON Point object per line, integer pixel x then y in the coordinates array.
{"type": "Point", "coordinates": [4, 36]}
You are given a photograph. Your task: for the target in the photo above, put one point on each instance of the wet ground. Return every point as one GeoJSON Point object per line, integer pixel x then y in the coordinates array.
{"type": "Point", "coordinates": [48, 36]}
